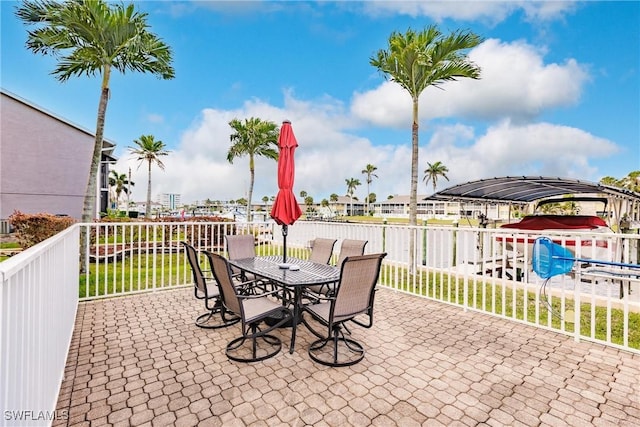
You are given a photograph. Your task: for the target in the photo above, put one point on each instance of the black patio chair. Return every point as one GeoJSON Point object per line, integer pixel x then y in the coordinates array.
{"type": "Point", "coordinates": [348, 247]}
{"type": "Point", "coordinates": [206, 289]}
{"type": "Point", "coordinates": [354, 296]}
{"type": "Point", "coordinates": [321, 250]}
{"type": "Point", "coordinates": [240, 246]}
{"type": "Point", "coordinates": [252, 308]}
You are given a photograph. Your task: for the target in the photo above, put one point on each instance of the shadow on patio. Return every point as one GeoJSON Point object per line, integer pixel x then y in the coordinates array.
{"type": "Point", "coordinates": [140, 360]}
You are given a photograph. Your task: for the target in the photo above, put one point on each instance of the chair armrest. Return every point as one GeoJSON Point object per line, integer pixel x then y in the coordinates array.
{"type": "Point", "coordinates": [260, 295]}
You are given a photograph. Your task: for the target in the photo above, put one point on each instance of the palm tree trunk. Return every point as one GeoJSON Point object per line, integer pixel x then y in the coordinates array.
{"type": "Point", "coordinates": [252, 175]}
{"type": "Point", "coordinates": [147, 211]}
{"type": "Point", "coordinates": [413, 196]}
{"type": "Point", "coordinates": [90, 202]}
{"type": "Point", "coordinates": [367, 213]}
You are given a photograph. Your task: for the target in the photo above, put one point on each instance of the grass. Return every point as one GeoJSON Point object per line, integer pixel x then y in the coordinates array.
{"type": "Point", "coordinates": [513, 304]}
{"type": "Point", "coordinates": [135, 274]}
{"type": "Point", "coordinates": [139, 273]}
{"type": "Point", "coordinates": [165, 270]}
{"type": "Point", "coordinates": [8, 245]}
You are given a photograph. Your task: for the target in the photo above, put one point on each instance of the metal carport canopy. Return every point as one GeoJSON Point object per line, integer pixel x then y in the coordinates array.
{"type": "Point", "coordinates": [526, 189]}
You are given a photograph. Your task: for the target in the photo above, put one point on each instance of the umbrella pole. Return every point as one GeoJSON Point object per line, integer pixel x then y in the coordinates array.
{"type": "Point", "coordinates": [285, 230]}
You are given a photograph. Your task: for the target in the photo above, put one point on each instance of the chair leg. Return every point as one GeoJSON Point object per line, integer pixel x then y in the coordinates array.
{"type": "Point", "coordinates": [203, 321]}
{"type": "Point", "coordinates": [255, 352]}
{"type": "Point", "coordinates": [336, 354]}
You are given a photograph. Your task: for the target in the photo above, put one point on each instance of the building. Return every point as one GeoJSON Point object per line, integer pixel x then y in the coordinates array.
{"type": "Point", "coordinates": [169, 201]}
{"type": "Point", "coordinates": [45, 162]}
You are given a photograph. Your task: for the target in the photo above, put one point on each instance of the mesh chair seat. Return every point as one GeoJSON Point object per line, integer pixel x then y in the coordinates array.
{"type": "Point", "coordinates": [212, 291]}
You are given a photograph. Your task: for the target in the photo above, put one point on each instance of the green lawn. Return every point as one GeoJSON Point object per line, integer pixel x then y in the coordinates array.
{"type": "Point", "coordinates": [172, 269]}
{"type": "Point", "coordinates": [491, 298]}
{"type": "Point", "coordinates": [8, 245]}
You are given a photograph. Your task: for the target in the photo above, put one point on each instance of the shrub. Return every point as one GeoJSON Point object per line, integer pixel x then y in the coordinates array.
{"type": "Point", "coordinates": [32, 229]}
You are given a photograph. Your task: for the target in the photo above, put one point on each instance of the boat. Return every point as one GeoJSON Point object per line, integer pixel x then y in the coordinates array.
{"type": "Point", "coordinates": [596, 239]}
{"type": "Point", "coordinates": [593, 248]}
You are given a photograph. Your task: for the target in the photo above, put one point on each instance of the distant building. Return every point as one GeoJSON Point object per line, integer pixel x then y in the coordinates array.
{"type": "Point", "coordinates": [45, 162]}
{"type": "Point", "coordinates": [170, 201]}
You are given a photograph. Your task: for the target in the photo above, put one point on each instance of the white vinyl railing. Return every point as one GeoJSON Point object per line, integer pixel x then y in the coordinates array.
{"type": "Point", "coordinates": [485, 270]}
{"type": "Point", "coordinates": [38, 302]}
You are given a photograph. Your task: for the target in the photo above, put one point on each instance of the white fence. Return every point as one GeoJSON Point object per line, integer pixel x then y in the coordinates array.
{"type": "Point", "coordinates": [38, 302]}
{"type": "Point", "coordinates": [485, 270]}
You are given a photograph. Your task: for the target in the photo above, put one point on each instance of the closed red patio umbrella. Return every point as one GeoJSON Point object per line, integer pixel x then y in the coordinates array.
{"type": "Point", "coordinates": [285, 210]}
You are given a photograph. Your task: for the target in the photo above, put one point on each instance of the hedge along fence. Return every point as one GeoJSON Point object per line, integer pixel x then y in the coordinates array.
{"type": "Point", "coordinates": [31, 229]}
{"type": "Point", "coordinates": [203, 231]}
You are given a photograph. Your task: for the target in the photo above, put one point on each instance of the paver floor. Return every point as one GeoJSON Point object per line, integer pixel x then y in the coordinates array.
{"type": "Point", "coordinates": [140, 360]}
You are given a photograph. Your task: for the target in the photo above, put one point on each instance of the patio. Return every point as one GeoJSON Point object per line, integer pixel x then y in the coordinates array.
{"type": "Point", "coordinates": [140, 360]}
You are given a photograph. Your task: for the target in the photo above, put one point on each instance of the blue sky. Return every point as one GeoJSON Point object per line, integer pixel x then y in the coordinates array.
{"type": "Point", "coordinates": [559, 94]}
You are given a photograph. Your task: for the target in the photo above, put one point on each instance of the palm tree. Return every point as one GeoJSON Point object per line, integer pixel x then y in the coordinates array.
{"type": "Point", "coordinates": [609, 180]}
{"type": "Point", "coordinates": [369, 172]}
{"type": "Point", "coordinates": [352, 183]}
{"type": "Point", "coordinates": [253, 138]}
{"type": "Point", "coordinates": [417, 60]}
{"type": "Point", "coordinates": [149, 150]}
{"type": "Point", "coordinates": [308, 201]}
{"type": "Point", "coordinates": [433, 171]}
{"type": "Point", "coordinates": [93, 37]}
{"type": "Point", "coordinates": [325, 204]}
{"type": "Point", "coordinates": [333, 198]}
{"type": "Point", "coordinates": [121, 184]}
{"type": "Point", "coordinates": [632, 181]}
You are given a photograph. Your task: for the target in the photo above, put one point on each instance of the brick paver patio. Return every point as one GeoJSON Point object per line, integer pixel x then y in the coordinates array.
{"type": "Point", "coordinates": [140, 360]}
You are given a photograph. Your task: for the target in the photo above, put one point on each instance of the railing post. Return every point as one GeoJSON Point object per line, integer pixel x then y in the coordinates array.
{"type": "Point", "coordinates": [455, 238]}
{"type": "Point", "coordinates": [384, 234]}
{"type": "Point", "coordinates": [424, 242]}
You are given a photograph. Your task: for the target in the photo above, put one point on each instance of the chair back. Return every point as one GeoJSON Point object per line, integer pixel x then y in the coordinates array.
{"type": "Point", "coordinates": [356, 288]}
{"type": "Point", "coordinates": [198, 277]}
{"type": "Point", "coordinates": [349, 248]}
{"type": "Point", "coordinates": [322, 250]}
{"type": "Point", "coordinates": [222, 272]}
{"type": "Point", "coordinates": [240, 246]}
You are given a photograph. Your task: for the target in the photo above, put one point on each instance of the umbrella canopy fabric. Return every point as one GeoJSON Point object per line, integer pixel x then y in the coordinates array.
{"type": "Point", "coordinates": [285, 210]}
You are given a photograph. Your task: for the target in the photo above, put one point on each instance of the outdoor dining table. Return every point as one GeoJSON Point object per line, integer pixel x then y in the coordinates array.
{"type": "Point", "coordinates": [308, 273]}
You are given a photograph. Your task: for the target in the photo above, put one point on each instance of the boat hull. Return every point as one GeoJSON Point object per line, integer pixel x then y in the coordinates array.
{"type": "Point", "coordinates": [588, 247]}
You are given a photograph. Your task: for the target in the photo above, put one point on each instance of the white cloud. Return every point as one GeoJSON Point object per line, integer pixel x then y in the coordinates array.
{"type": "Point", "coordinates": [517, 86]}
{"type": "Point", "coordinates": [515, 83]}
{"type": "Point", "coordinates": [328, 154]}
{"type": "Point", "coordinates": [514, 150]}
{"type": "Point", "coordinates": [547, 10]}
{"type": "Point", "coordinates": [489, 12]}
{"type": "Point", "coordinates": [155, 118]}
